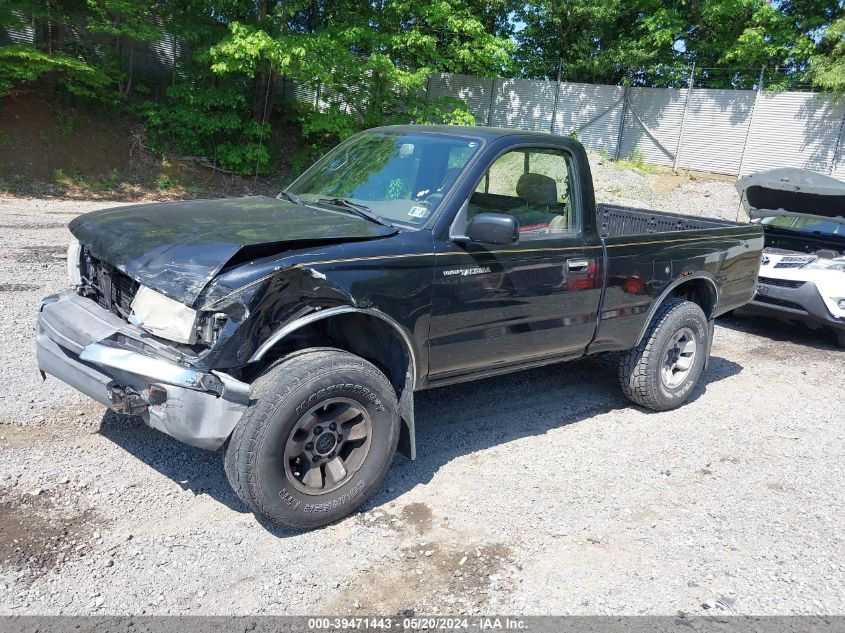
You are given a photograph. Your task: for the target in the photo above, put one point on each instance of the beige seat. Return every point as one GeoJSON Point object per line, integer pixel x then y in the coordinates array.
{"type": "Point", "coordinates": [559, 224]}
{"type": "Point", "coordinates": [537, 190]}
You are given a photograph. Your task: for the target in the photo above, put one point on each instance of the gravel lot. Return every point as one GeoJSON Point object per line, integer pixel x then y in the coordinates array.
{"type": "Point", "coordinates": [540, 492]}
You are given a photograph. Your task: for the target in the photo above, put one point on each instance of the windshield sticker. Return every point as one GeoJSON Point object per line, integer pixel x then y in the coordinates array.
{"type": "Point", "coordinates": [418, 212]}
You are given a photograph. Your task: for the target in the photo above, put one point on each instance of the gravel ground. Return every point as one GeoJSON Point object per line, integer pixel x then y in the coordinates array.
{"type": "Point", "coordinates": [688, 193]}
{"type": "Point", "coordinates": [539, 492]}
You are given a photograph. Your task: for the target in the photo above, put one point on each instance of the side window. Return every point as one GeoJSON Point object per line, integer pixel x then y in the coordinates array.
{"type": "Point", "coordinates": [535, 186]}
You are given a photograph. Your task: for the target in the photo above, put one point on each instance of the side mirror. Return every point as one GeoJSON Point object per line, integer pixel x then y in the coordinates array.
{"type": "Point", "coordinates": [493, 228]}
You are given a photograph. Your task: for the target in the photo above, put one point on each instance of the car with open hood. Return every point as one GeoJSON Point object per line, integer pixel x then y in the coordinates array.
{"type": "Point", "coordinates": [293, 332]}
{"type": "Point", "coordinates": [802, 273]}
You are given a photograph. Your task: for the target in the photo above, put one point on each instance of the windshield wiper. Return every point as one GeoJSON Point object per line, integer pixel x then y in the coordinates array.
{"type": "Point", "coordinates": [359, 209]}
{"type": "Point", "coordinates": [290, 197]}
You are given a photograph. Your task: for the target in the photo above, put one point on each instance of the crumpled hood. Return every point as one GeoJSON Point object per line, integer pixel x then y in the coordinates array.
{"type": "Point", "coordinates": [792, 192]}
{"type": "Point", "coordinates": [176, 248]}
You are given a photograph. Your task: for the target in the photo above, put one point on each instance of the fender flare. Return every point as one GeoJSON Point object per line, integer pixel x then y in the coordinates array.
{"type": "Point", "coordinates": [407, 439]}
{"type": "Point", "coordinates": [319, 315]}
{"type": "Point", "coordinates": [668, 290]}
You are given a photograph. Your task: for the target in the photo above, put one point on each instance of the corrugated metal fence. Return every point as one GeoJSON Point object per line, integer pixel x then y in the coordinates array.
{"type": "Point", "coordinates": [733, 132]}
{"type": "Point", "coordinates": [153, 62]}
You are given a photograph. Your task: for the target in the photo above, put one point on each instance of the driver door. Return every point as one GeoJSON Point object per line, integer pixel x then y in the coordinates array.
{"type": "Point", "coordinates": [497, 305]}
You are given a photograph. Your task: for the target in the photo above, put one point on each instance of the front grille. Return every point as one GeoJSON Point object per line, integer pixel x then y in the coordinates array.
{"type": "Point", "coordinates": [779, 302]}
{"type": "Point", "coordinates": [106, 285]}
{"type": "Point", "coordinates": [783, 283]}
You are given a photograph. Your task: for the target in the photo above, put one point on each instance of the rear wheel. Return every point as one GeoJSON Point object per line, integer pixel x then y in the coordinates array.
{"type": "Point", "coordinates": [316, 440]}
{"type": "Point", "coordinates": [661, 372]}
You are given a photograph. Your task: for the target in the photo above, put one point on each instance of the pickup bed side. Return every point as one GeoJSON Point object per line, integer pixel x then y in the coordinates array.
{"type": "Point", "coordinates": [651, 255]}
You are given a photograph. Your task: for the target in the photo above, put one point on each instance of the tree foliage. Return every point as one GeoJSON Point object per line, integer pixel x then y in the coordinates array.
{"type": "Point", "coordinates": [368, 62]}
{"type": "Point", "coordinates": [828, 66]}
{"type": "Point", "coordinates": [647, 42]}
{"type": "Point", "coordinates": [20, 64]}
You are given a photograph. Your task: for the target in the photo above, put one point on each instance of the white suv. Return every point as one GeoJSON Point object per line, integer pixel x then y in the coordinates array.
{"type": "Point", "coordinates": [802, 273]}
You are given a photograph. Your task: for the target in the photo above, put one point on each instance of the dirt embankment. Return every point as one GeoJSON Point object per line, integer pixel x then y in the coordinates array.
{"type": "Point", "coordinates": [51, 150]}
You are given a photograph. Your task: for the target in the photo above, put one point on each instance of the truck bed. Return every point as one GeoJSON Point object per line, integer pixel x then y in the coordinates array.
{"type": "Point", "coordinates": [618, 221]}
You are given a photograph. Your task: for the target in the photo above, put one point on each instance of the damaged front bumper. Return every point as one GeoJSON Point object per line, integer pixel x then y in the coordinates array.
{"type": "Point", "coordinates": [122, 367]}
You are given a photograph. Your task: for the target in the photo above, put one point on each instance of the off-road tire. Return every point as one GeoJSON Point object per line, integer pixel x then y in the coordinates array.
{"type": "Point", "coordinates": [640, 367]}
{"type": "Point", "coordinates": [254, 459]}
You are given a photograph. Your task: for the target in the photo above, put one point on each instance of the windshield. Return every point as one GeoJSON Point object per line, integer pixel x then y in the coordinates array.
{"type": "Point", "coordinates": [400, 177]}
{"type": "Point", "coordinates": [814, 226]}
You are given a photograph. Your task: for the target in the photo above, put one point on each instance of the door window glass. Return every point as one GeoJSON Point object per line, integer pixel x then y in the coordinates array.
{"type": "Point", "coordinates": [535, 186]}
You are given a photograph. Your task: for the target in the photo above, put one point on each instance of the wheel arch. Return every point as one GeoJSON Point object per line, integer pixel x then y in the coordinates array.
{"type": "Point", "coordinates": [366, 332]}
{"type": "Point", "coordinates": [698, 288]}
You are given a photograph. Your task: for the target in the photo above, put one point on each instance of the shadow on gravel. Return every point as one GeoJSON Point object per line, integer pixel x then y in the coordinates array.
{"type": "Point", "coordinates": [194, 469]}
{"type": "Point", "coordinates": [778, 330]}
{"type": "Point", "coordinates": [451, 422]}
{"type": "Point", "coordinates": [463, 419]}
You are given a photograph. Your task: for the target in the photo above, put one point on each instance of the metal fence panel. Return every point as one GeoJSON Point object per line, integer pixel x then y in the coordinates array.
{"type": "Point", "coordinates": [300, 92]}
{"type": "Point", "coordinates": [715, 130]}
{"type": "Point", "coordinates": [21, 32]}
{"type": "Point", "coordinates": [837, 170]}
{"type": "Point", "coordinates": [474, 90]}
{"type": "Point", "coordinates": [793, 129]}
{"type": "Point", "coordinates": [592, 112]}
{"type": "Point", "coordinates": [653, 124]}
{"type": "Point", "coordinates": [523, 103]}
{"type": "Point", "coordinates": [157, 60]}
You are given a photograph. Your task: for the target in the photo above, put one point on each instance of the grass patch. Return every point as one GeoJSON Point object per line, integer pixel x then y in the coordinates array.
{"type": "Point", "coordinates": [165, 183]}
{"type": "Point", "coordinates": [637, 163]}
{"type": "Point", "coordinates": [65, 125]}
{"type": "Point", "coordinates": [12, 184]}
{"type": "Point", "coordinates": [80, 183]}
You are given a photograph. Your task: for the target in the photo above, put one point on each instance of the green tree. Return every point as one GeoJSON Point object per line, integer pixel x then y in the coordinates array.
{"type": "Point", "coordinates": [57, 56]}
{"type": "Point", "coordinates": [828, 66]}
{"type": "Point", "coordinates": [21, 64]}
{"type": "Point", "coordinates": [648, 42]}
{"type": "Point", "coordinates": [126, 23]}
{"type": "Point", "coordinates": [370, 61]}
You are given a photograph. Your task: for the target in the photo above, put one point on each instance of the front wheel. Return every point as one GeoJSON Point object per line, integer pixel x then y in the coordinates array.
{"type": "Point", "coordinates": [661, 372]}
{"type": "Point", "coordinates": [317, 439]}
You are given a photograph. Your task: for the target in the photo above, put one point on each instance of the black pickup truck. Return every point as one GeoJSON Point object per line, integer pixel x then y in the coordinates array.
{"type": "Point", "coordinates": [293, 332]}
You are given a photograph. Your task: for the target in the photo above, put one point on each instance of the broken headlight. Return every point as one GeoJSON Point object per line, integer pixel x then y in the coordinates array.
{"type": "Point", "coordinates": [163, 316]}
{"type": "Point", "coordinates": [210, 326]}
{"type": "Point", "coordinates": [74, 254]}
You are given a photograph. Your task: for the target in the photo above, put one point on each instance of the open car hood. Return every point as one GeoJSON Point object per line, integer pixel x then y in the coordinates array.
{"type": "Point", "coordinates": [176, 248]}
{"type": "Point", "coordinates": [792, 192]}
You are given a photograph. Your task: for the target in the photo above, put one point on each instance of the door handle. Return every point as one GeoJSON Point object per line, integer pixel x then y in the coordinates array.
{"type": "Point", "coordinates": [577, 265]}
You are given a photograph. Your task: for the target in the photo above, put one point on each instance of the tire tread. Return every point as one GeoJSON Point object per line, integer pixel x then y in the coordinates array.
{"type": "Point", "coordinates": [269, 392]}
{"type": "Point", "coordinates": [635, 365]}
